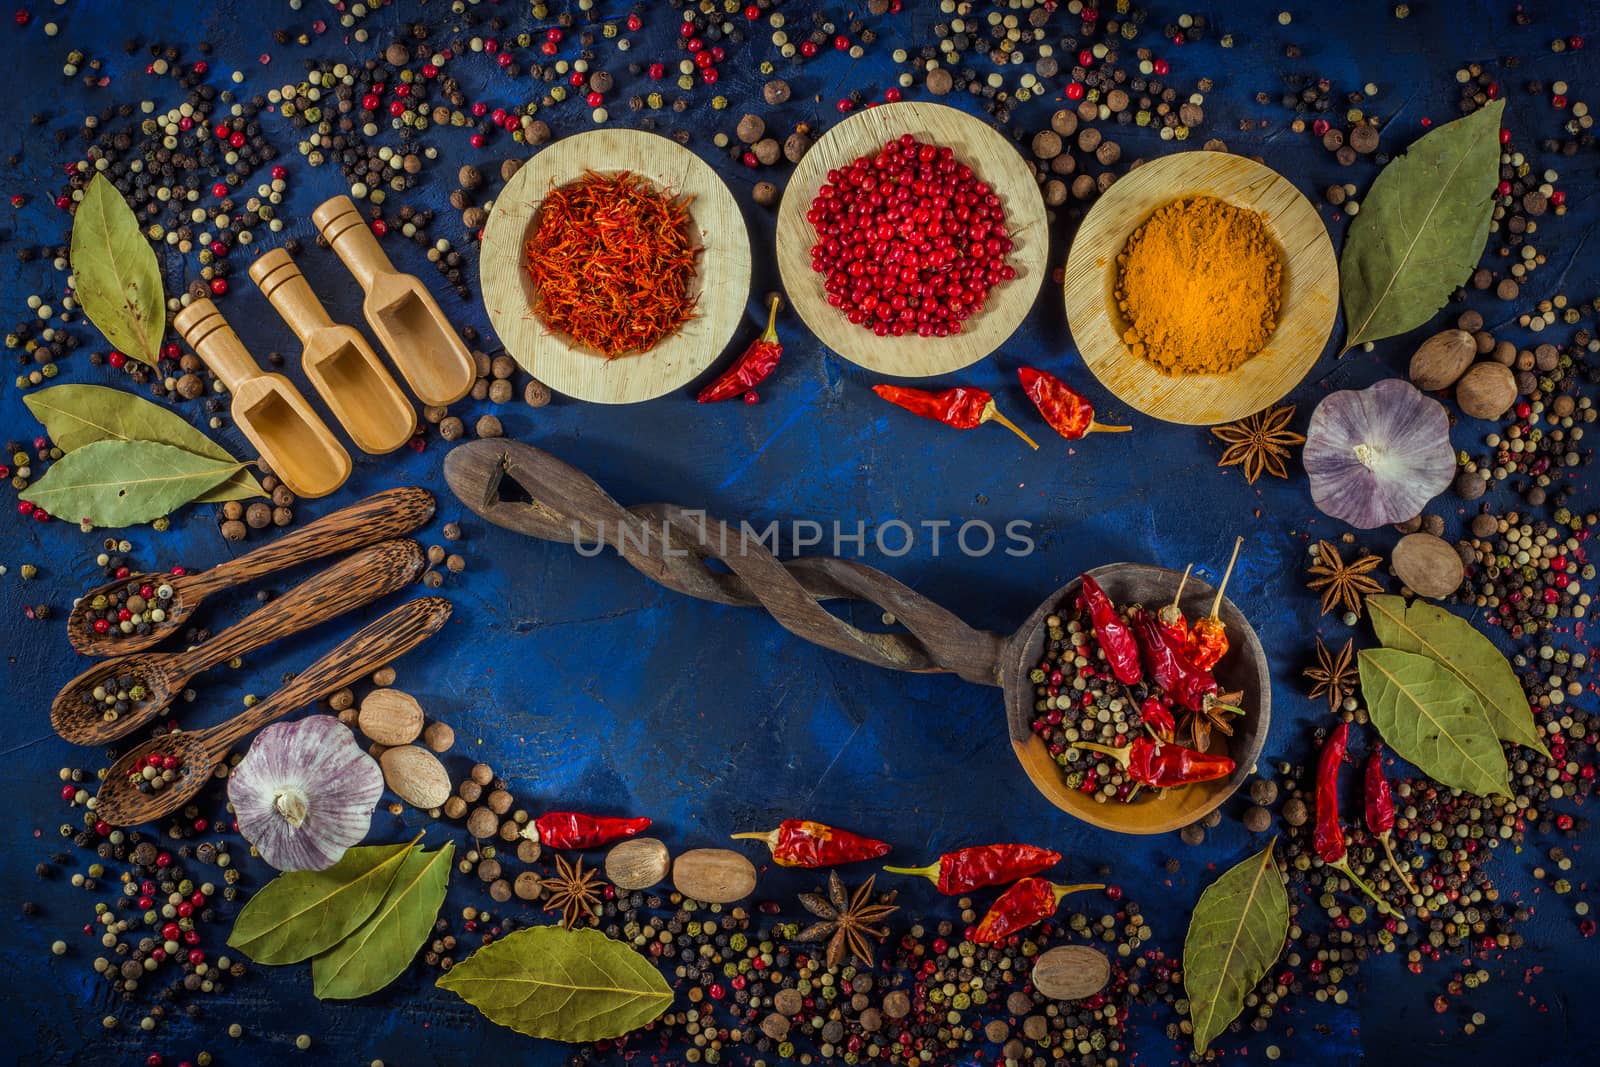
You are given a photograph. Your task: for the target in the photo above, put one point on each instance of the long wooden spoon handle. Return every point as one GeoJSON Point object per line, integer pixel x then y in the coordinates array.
{"type": "Point", "coordinates": [391, 513]}
{"type": "Point", "coordinates": [355, 580]}
{"type": "Point", "coordinates": [675, 547]}
{"type": "Point", "coordinates": [395, 634]}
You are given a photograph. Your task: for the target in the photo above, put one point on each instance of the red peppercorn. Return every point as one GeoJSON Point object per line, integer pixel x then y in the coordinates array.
{"type": "Point", "coordinates": [171, 932]}
{"type": "Point", "coordinates": [491, 45]}
{"type": "Point", "coordinates": [1558, 101]}
{"type": "Point", "coordinates": [238, 139]}
{"type": "Point", "coordinates": [658, 71]}
{"type": "Point", "coordinates": [196, 956]}
{"type": "Point", "coordinates": [709, 75]}
{"type": "Point", "coordinates": [841, 43]}
{"type": "Point", "coordinates": [1085, 58]}
{"type": "Point", "coordinates": [219, 286]}
{"type": "Point", "coordinates": [22, 17]}
{"type": "Point", "coordinates": [686, 28]}
{"type": "Point", "coordinates": [750, 397]}
{"type": "Point", "coordinates": [219, 189]}
{"type": "Point", "coordinates": [476, 140]}
{"type": "Point", "coordinates": [695, 46]}
{"type": "Point", "coordinates": [635, 23]}
{"type": "Point", "coordinates": [1558, 198]}
{"type": "Point", "coordinates": [370, 102]}
{"type": "Point", "coordinates": [1160, 67]}
{"type": "Point", "coordinates": [1492, 91]}
{"type": "Point", "coordinates": [163, 859]}
{"type": "Point", "coordinates": [1503, 189]}
{"type": "Point", "coordinates": [397, 108]}
{"type": "Point", "coordinates": [1074, 90]}
{"type": "Point", "coordinates": [891, 95]}
{"type": "Point", "coordinates": [808, 49]}
{"type": "Point", "coordinates": [280, 172]}
{"type": "Point", "coordinates": [153, 1060]}
{"type": "Point", "coordinates": [68, 792]}
{"type": "Point", "coordinates": [223, 131]}
{"type": "Point", "coordinates": [1575, 43]}
{"type": "Point", "coordinates": [844, 105]}
{"type": "Point", "coordinates": [1505, 136]}
{"type": "Point", "coordinates": [480, 109]}
{"type": "Point", "coordinates": [594, 99]}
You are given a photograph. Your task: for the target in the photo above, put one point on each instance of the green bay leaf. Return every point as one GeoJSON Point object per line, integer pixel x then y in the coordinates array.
{"type": "Point", "coordinates": [383, 946]}
{"type": "Point", "coordinates": [565, 985]}
{"type": "Point", "coordinates": [78, 415]}
{"type": "Point", "coordinates": [124, 483]}
{"type": "Point", "coordinates": [1422, 228]}
{"type": "Point", "coordinates": [1236, 933]}
{"type": "Point", "coordinates": [301, 913]}
{"type": "Point", "coordinates": [1454, 642]}
{"type": "Point", "coordinates": [1430, 717]}
{"type": "Point", "coordinates": [115, 273]}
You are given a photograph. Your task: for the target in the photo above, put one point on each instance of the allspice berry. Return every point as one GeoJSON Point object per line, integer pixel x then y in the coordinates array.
{"type": "Point", "coordinates": [536, 394]}
{"type": "Point", "coordinates": [775, 92]}
{"type": "Point", "coordinates": [234, 530]}
{"type": "Point", "coordinates": [797, 145]}
{"type": "Point", "coordinates": [527, 886]}
{"type": "Point", "coordinates": [450, 428]}
{"type": "Point", "coordinates": [940, 81]}
{"type": "Point", "coordinates": [483, 823]}
{"type": "Point", "coordinates": [751, 128]}
{"type": "Point", "coordinates": [439, 736]}
{"type": "Point", "coordinates": [768, 151]}
{"type": "Point", "coordinates": [488, 426]}
{"type": "Point", "coordinates": [765, 194]}
{"type": "Point", "coordinates": [1294, 812]}
{"type": "Point", "coordinates": [1064, 122]}
{"type": "Point", "coordinates": [1047, 144]}
{"type": "Point", "coordinates": [258, 516]}
{"type": "Point", "coordinates": [1257, 819]}
{"type": "Point", "coordinates": [1486, 390]}
{"type": "Point", "coordinates": [469, 177]}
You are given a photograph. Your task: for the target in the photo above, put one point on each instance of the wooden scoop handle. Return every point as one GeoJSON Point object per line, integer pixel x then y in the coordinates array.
{"type": "Point", "coordinates": [671, 546]}
{"type": "Point", "coordinates": [391, 513]}
{"type": "Point", "coordinates": [341, 223]}
{"type": "Point", "coordinates": [280, 281]}
{"type": "Point", "coordinates": [353, 581]}
{"type": "Point", "coordinates": [202, 326]}
{"type": "Point", "coordinates": [391, 636]}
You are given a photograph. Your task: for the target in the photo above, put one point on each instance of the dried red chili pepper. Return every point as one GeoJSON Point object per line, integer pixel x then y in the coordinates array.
{"type": "Point", "coordinates": [1154, 714]}
{"type": "Point", "coordinates": [570, 829]}
{"type": "Point", "coordinates": [1178, 678]}
{"type": "Point", "coordinates": [1161, 765]}
{"type": "Point", "coordinates": [1208, 637]}
{"type": "Point", "coordinates": [803, 843]}
{"type": "Point", "coordinates": [1030, 901]}
{"type": "Point", "coordinates": [964, 407]}
{"type": "Point", "coordinates": [967, 869]}
{"type": "Point", "coordinates": [1066, 410]}
{"type": "Point", "coordinates": [1170, 618]}
{"type": "Point", "coordinates": [752, 366]}
{"type": "Point", "coordinates": [1378, 800]}
{"type": "Point", "coordinates": [1327, 835]}
{"type": "Point", "coordinates": [1122, 652]}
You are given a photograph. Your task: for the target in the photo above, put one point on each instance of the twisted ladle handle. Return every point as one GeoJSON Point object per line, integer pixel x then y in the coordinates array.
{"type": "Point", "coordinates": [674, 547]}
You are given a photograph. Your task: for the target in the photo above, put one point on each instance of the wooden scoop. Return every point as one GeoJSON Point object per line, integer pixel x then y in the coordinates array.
{"type": "Point", "coordinates": [353, 581]}
{"type": "Point", "coordinates": [399, 309]}
{"type": "Point", "coordinates": [353, 382]}
{"type": "Point", "coordinates": [391, 513]}
{"type": "Point", "coordinates": [120, 802]}
{"type": "Point", "coordinates": [268, 408]}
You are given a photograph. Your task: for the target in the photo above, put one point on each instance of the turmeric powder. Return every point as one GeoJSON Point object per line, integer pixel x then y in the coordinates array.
{"type": "Point", "coordinates": [1199, 287]}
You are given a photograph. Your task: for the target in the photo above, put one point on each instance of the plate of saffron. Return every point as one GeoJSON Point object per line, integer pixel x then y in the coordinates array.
{"type": "Point", "coordinates": [616, 266]}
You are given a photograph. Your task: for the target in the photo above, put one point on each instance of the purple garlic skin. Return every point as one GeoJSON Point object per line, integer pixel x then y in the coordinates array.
{"type": "Point", "coordinates": [305, 793]}
{"type": "Point", "coordinates": [1376, 456]}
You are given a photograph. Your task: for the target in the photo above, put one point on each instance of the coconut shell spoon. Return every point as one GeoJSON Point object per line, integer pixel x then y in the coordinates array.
{"type": "Point", "coordinates": [353, 581]}
{"type": "Point", "coordinates": [391, 513]}
{"type": "Point", "coordinates": [199, 752]}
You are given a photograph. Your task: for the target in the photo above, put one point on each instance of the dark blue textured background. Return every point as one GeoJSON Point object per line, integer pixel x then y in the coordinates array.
{"type": "Point", "coordinates": [589, 688]}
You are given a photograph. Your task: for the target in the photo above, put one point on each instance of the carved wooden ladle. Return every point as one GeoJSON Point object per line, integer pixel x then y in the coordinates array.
{"type": "Point", "coordinates": [674, 547]}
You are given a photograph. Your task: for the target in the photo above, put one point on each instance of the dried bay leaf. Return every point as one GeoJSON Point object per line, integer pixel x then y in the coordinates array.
{"type": "Point", "coordinates": [115, 273]}
{"type": "Point", "coordinates": [1469, 655]}
{"type": "Point", "coordinates": [566, 985]}
{"type": "Point", "coordinates": [383, 946]}
{"type": "Point", "coordinates": [1422, 228]}
{"type": "Point", "coordinates": [78, 415]}
{"type": "Point", "coordinates": [1430, 717]}
{"type": "Point", "coordinates": [124, 483]}
{"type": "Point", "coordinates": [1236, 933]}
{"type": "Point", "coordinates": [301, 913]}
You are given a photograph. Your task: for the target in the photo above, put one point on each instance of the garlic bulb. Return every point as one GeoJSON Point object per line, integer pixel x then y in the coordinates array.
{"type": "Point", "coordinates": [1377, 456]}
{"type": "Point", "coordinates": [304, 793]}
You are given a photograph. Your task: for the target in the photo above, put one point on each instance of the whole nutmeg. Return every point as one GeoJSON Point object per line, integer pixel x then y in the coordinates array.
{"type": "Point", "coordinates": [1442, 359]}
{"type": "Point", "coordinates": [1486, 390]}
{"type": "Point", "coordinates": [469, 177]}
{"type": "Point", "coordinates": [765, 194]}
{"type": "Point", "coordinates": [751, 128]}
{"type": "Point", "coordinates": [775, 92]}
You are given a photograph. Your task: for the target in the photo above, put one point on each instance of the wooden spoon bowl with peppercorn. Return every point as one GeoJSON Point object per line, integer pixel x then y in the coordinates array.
{"type": "Point", "coordinates": [674, 547]}
{"type": "Point", "coordinates": [128, 797]}
{"type": "Point", "coordinates": [89, 710]}
{"type": "Point", "coordinates": [391, 513]}
{"type": "Point", "coordinates": [1243, 670]}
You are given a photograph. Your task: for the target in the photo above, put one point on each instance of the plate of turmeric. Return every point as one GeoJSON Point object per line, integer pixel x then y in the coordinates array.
{"type": "Point", "coordinates": [1201, 288]}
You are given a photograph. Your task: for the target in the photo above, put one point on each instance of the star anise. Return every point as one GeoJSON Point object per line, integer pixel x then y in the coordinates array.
{"type": "Point", "coordinates": [1341, 582]}
{"type": "Point", "coordinates": [573, 891]}
{"type": "Point", "coordinates": [849, 921]}
{"type": "Point", "coordinates": [1334, 674]}
{"type": "Point", "coordinates": [1259, 443]}
{"type": "Point", "coordinates": [1217, 713]}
